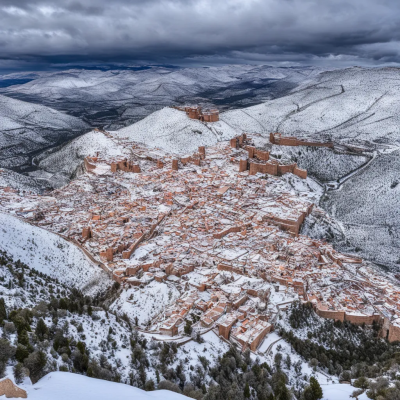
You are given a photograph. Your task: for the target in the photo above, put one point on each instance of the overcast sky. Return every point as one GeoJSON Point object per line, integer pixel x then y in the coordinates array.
{"type": "Point", "coordinates": [44, 33]}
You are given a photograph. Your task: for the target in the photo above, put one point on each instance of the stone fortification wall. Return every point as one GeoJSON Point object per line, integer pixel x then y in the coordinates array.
{"type": "Point", "coordinates": [259, 161]}
{"type": "Point", "coordinates": [362, 319]}
{"type": "Point", "coordinates": [278, 139]}
{"type": "Point", "coordinates": [126, 166]}
{"type": "Point", "coordinates": [336, 315]}
{"type": "Point", "coordinates": [354, 319]}
{"type": "Point", "coordinates": [89, 163]}
{"type": "Point", "coordinates": [196, 112]}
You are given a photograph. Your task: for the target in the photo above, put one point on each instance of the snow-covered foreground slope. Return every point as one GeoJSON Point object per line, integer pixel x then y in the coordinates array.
{"type": "Point", "coordinates": [50, 254]}
{"type": "Point", "coordinates": [173, 131]}
{"type": "Point", "coordinates": [67, 386]}
{"type": "Point", "coordinates": [27, 128]}
{"type": "Point", "coordinates": [122, 97]}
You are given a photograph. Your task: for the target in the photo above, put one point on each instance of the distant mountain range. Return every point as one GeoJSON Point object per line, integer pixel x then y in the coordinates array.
{"type": "Point", "coordinates": [117, 98]}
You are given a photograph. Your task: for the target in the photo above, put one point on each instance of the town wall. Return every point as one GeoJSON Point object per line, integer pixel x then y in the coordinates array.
{"type": "Point", "coordinates": [362, 319]}
{"type": "Point", "coordinates": [196, 112]}
{"type": "Point", "coordinates": [88, 163]}
{"type": "Point", "coordinates": [255, 343]}
{"type": "Point", "coordinates": [336, 315]}
{"type": "Point", "coordinates": [278, 139]}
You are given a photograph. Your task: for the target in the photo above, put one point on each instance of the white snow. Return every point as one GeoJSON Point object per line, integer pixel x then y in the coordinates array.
{"type": "Point", "coordinates": [67, 386]}
{"type": "Point", "coordinates": [48, 253]}
{"type": "Point", "coordinates": [173, 131]}
{"type": "Point", "coordinates": [339, 391]}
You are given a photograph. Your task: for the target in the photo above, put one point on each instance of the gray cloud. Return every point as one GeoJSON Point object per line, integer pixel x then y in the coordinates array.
{"type": "Point", "coordinates": [185, 31]}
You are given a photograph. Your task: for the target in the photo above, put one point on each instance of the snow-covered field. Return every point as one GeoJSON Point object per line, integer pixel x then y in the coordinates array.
{"type": "Point", "coordinates": [50, 254]}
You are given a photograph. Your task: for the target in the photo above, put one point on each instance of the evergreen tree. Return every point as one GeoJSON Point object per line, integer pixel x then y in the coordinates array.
{"type": "Point", "coordinates": [23, 338]}
{"type": "Point", "coordinates": [247, 391]}
{"type": "Point", "coordinates": [21, 353]}
{"type": "Point", "coordinates": [41, 329]}
{"type": "Point", "coordinates": [19, 373]}
{"type": "Point", "coordinates": [3, 311]}
{"type": "Point", "coordinates": [316, 389]}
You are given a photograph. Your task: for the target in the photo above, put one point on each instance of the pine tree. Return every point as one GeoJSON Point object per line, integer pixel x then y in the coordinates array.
{"type": "Point", "coordinates": [3, 311]}
{"type": "Point", "coordinates": [247, 391]}
{"type": "Point", "coordinates": [316, 389]}
{"type": "Point", "coordinates": [41, 329]}
{"type": "Point", "coordinates": [19, 373]}
{"type": "Point", "coordinates": [23, 338]}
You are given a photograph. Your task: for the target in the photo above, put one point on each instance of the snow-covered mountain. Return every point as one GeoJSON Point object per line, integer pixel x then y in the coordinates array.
{"type": "Point", "coordinates": [121, 97]}
{"type": "Point", "coordinates": [26, 129]}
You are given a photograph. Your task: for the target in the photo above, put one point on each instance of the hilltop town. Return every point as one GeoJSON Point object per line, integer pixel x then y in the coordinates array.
{"type": "Point", "coordinates": [219, 230]}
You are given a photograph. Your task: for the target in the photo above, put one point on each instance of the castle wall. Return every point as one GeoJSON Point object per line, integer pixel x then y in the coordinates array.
{"type": "Point", "coordinates": [278, 139]}
{"type": "Point", "coordinates": [175, 165]}
{"type": "Point", "coordinates": [301, 173]}
{"type": "Point", "coordinates": [362, 319]}
{"type": "Point", "coordinates": [336, 315]}
{"type": "Point", "coordinates": [255, 343]}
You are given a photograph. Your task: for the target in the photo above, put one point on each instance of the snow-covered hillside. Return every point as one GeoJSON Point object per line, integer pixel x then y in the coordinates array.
{"type": "Point", "coordinates": [122, 97]}
{"type": "Point", "coordinates": [27, 128]}
{"type": "Point", "coordinates": [18, 181]}
{"type": "Point", "coordinates": [50, 254]}
{"type": "Point", "coordinates": [57, 166]}
{"type": "Point", "coordinates": [172, 131]}
{"type": "Point", "coordinates": [350, 105]}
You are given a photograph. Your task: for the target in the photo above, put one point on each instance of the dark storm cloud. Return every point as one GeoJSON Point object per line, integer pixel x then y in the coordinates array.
{"type": "Point", "coordinates": [185, 31]}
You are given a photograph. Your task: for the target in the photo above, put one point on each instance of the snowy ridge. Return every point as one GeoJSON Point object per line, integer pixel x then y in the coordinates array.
{"type": "Point", "coordinates": [50, 254]}
{"type": "Point", "coordinates": [18, 181]}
